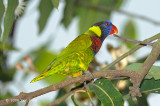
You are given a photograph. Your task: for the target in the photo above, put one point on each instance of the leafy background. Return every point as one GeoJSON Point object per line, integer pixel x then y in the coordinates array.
{"type": "Point", "coordinates": [40, 31]}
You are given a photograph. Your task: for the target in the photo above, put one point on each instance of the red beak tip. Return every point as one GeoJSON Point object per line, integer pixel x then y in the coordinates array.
{"type": "Point", "coordinates": [114, 30]}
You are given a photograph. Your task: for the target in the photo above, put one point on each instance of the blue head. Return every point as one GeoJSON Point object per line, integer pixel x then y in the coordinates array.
{"type": "Point", "coordinates": [106, 28]}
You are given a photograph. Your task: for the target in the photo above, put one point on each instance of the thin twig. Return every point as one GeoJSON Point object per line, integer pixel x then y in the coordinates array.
{"type": "Point", "coordinates": [157, 36]}
{"type": "Point", "coordinates": [133, 41]}
{"type": "Point", "coordinates": [90, 98]}
{"type": "Point", "coordinates": [108, 10]}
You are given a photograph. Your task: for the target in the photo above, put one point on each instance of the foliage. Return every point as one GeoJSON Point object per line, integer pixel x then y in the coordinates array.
{"type": "Point", "coordinates": [61, 93]}
{"type": "Point", "coordinates": [130, 32]}
{"type": "Point", "coordinates": [1, 14]}
{"type": "Point", "coordinates": [153, 72]}
{"type": "Point", "coordinates": [106, 91]}
{"type": "Point", "coordinates": [76, 102]}
{"type": "Point", "coordinates": [87, 16]}
{"type": "Point", "coordinates": [154, 86]}
{"type": "Point", "coordinates": [140, 101]}
{"type": "Point", "coordinates": [9, 19]}
{"type": "Point", "coordinates": [55, 3]}
{"type": "Point", "coordinates": [44, 13]}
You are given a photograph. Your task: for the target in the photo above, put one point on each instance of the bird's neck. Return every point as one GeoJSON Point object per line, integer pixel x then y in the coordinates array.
{"type": "Point", "coordinates": [95, 31]}
{"type": "Point", "coordinates": [97, 37]}
{"type": "Point", "coordinates": [96, 44]}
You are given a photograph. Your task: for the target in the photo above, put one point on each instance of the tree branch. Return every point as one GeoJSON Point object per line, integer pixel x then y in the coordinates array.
{"type": "Point", "coordinates": [132, 40]}
{"type": "Point", "coordinates": [28, 96]}
{"type": "Point", "coordinates": [61, 99]}
{"type": "Point", "coordinates": [108, 10]}
{"type": "Point", "coordinates": [135, 78]}
{"type": "Point", "coordinates": [157, 36]}
{"type": "Point", "coordinates": [145, 68]}
{"type": "Point", "coordinates": [150, 59]}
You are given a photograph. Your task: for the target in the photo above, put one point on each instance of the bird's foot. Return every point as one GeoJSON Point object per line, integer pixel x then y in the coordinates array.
{"type": "Point", "coordinates": [92, 76]}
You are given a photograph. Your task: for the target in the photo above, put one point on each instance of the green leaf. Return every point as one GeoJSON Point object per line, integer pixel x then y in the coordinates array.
{"type": "Point", "coordinates": [60, 94]}
{"type": "Point", "coordinates": [87, 16]}
{"type": "Point", "coordinates": [1, 14]}
{"type": "Point", "coordinates": [141, 101]}
{"type": "Point", "coordinates": [154, 72]}
{"type": "Point", "coordinates": [130, 32]}
{"type": "Point", "coordinates": [45, 9]}
{"type": "Point", "coordinates": [44, 103]}
{"type": "Point", "coordinates": [55, 3]}
{"type": "Point", "coordinates": [9, 18]}
{"type": "Point", "coordinates": [68, 13]}
{"type": "Point", "coordinates": [76, 102]}
{"type": "Point", "coordinates": [90, 16]}
{"type": "Point", "coordinates": [7, 47]}
{"type": "Point", "coordinates": [118, 3]}
{"type": "Point", "coordinates": [6, 75]}
{"type": "Point", "coordinates": [150, 85]}
{"type": "Point", "coordinates": [106, 93]}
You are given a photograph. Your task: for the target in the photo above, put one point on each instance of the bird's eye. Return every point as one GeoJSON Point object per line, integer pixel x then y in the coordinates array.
{"type": "Point", "coordinates": [107, 24]}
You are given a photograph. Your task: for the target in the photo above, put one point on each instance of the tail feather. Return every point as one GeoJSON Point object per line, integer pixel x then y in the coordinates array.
{"type": "Point", "coordinates": [41, 76]}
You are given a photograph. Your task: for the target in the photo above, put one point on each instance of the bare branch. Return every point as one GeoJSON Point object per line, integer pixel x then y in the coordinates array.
{"type": "Point", "coordinates": [150, 59]}
{"type": "Point", "coordinates": [28, 96]}
{"type": "Point", "coordinates": [133, 41]}
{"type": "Point", "coordinates": [136, 78]}
{"type": "Point", "coordinates": [61, 99]}
{"type": "Point", "coordinates": [132, 51]}
{"type": "Point", "coordinates": [145, 68]}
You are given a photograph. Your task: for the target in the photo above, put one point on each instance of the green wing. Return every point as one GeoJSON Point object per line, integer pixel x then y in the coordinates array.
{"type": "Point", "coordinates": [82, 42]}
{"type": "Point", "coordinates": [76, 50]}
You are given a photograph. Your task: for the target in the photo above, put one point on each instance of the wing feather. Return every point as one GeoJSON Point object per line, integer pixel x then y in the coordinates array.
{"type": "Point", "coordinates": [82, 42]}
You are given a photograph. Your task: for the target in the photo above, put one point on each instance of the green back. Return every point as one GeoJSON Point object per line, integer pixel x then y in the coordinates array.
{"type": "Point", "coordinates": [78, 45]}
{"type": "Point", "coordinates": [82, 42]}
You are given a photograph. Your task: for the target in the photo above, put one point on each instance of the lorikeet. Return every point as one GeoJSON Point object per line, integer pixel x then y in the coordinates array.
{"type": "Point", "coordinates": [77, 56]}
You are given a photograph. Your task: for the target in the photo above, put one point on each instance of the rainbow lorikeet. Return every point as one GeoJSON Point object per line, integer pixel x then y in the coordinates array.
{"type": "Point", "coordinates": [77, 56]}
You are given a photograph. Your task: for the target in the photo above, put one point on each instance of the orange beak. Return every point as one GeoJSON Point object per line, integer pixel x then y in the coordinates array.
{"type": "Point", "coordinates": [114, 30]}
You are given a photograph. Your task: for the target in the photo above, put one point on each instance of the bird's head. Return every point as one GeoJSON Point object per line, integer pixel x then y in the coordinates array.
{"type": "Point", "coordinates": [103, 29]}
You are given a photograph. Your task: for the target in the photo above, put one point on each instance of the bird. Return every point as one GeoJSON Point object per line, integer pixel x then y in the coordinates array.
{"type": "Point", "coordinates": [77, 56]}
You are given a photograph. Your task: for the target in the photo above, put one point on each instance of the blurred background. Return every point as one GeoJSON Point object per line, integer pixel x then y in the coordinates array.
{"type": "Point", "coordinates": [44, 30]}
